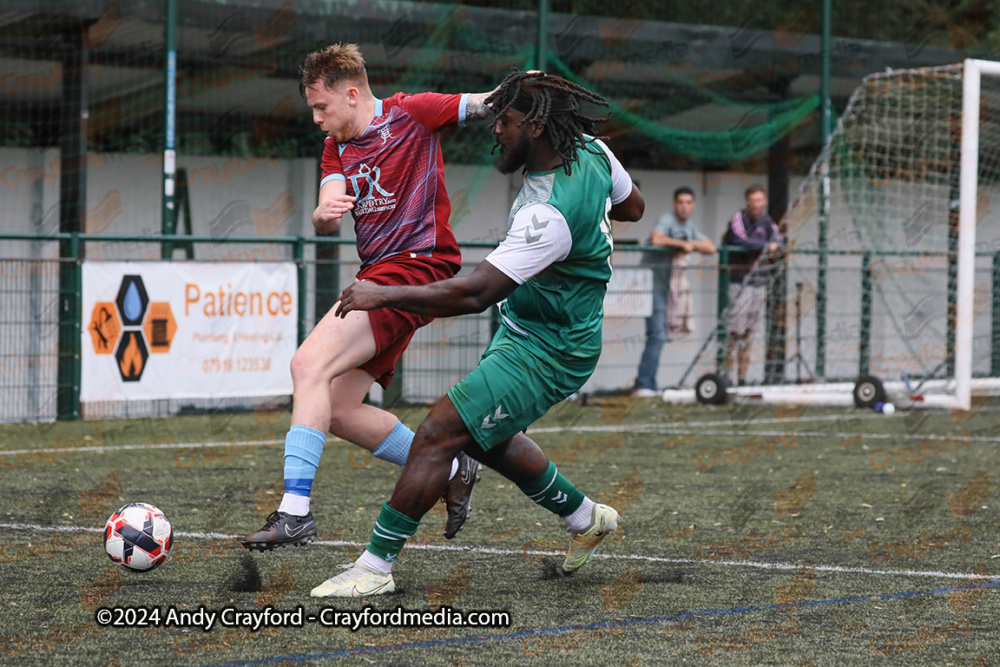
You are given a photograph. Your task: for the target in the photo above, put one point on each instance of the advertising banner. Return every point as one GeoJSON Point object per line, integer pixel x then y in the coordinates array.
{"type": "Point", "coordinates": [155, 330]}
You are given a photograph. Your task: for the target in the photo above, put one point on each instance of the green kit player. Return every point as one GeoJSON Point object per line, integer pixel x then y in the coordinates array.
{"type": "Point", "coordinates": [549, 277]}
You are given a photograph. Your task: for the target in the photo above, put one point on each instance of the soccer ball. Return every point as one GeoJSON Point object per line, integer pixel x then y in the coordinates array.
{"type": "Point", "coordinates": [138, 537]}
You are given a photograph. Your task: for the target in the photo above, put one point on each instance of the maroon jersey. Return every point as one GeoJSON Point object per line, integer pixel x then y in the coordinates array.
{"type": "Point", "coordinates": [396, 171]}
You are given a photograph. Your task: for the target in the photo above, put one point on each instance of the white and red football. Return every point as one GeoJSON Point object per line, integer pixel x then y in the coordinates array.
{"type": "Point", "coordinates": [138, 537]}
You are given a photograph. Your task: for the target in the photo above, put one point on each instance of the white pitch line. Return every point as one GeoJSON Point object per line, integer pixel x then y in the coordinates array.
{"type": "Point", "coordinates": [691, 425]}
{"type": "Point", "coordinates": [640, 428]}
{"type": "Point", "coordinates": [606, 428]}
{"type": "Point", "coordinates": [798, 434]}
{"type": "Point", "coordinates": [525, 552]}
{"type": "Point", "coordinates": [875, 436]}
{"type": "Point", "coordinates": [168, 445]}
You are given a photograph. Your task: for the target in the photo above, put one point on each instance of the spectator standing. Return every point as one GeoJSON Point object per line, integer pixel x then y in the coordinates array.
{"type": "Point", "coordinates": [671, 307]}
{"type": "Point", "coordinates": [754, 229]}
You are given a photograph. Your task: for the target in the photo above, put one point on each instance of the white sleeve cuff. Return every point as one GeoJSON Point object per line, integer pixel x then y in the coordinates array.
{"type": "Point", "coordinates": [504, 269]}
{"type": "Point", "coordinates": [332, 177]}
{"type": "Point", "coordinates": [621, 182]}
{"type": "Point", "coordinates": [463, 103]}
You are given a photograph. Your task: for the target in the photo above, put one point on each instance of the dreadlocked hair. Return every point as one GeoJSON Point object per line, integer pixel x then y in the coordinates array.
{"type": "Point", "coordinates": [566, 129]}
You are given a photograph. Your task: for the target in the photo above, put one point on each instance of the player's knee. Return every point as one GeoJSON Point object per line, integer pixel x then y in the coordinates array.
{"type": "Point", "coordinates": [528, 454]}
{"type": "Point", "coordinates": [305, 367]}
{"type": "Point", "coordinates": [431, 440]}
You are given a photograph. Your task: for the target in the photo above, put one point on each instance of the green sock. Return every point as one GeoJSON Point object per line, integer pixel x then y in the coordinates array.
{"type": "Point", "coordinates": [392, 530]}
{"type": "Point", "coordinates": [554, 492]}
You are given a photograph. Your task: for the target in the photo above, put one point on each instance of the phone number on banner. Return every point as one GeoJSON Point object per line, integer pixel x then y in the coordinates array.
{"type": "Point", "coordinates": [240, 365]}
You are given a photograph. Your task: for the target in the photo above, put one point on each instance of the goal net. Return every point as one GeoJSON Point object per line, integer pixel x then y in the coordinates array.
{"type": "Point", "coordinates": [892, 252]}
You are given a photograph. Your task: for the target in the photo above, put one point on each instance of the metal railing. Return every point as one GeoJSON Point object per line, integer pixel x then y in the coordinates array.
{"type": "Point", "coordinates": [41, 299]}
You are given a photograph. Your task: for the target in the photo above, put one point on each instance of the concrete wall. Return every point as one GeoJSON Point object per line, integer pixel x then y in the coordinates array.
{"type": "Point", "coordinates": [229, 196]}
{"type": "Point", "coordinates": [264, 197]}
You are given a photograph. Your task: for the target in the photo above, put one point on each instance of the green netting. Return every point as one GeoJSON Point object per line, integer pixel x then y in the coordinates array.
{"type": "Point", "coordinates": [691, 86]}
{"type": "Point", "coordinates": [760, 125]}
{"type": "Point", "coordinates": [682, 95]}
{"type": "Point", "coordinates": [893, 183]}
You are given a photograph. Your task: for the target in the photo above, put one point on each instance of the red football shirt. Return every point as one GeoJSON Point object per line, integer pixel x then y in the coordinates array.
{"type": "Point", "coordinates": [396, 171]}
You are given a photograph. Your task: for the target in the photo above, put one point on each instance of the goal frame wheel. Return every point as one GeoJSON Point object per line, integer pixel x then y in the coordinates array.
{"type": "Point", "coordinates": [711, 389]}
{"type": "Point", "coordinates": [868, 391]}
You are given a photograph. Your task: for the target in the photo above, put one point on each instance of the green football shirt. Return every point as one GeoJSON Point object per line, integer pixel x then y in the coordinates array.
{"type": "Point", "coordinates": [558, 249]}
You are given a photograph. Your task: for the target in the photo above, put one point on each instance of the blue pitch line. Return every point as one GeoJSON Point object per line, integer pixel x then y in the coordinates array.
{"type": "Point", "coordinates": [521, 634]}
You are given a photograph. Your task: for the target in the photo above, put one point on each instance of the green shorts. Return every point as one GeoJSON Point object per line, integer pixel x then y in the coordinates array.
{"type": "Point", "coordinates": [515, 383]}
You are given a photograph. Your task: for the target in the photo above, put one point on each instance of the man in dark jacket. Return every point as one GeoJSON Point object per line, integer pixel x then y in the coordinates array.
{"type": "Point", "coordinates": [753, 229]}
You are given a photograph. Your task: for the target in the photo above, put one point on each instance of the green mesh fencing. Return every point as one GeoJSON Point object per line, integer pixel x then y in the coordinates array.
{"type": "Point", "coordinates": [878, 294]}
{"type": "Point", "coordinates": [83, 99]}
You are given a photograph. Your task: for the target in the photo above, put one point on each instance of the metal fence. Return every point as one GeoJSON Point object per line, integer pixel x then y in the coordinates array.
{"type": "Point", "coordinates": [41, 324]}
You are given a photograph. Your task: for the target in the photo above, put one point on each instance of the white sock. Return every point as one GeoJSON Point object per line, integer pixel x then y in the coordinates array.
{"type": "Point", "coordinates": [373, 562]}
{"type": "Point", "coordinates": [454, 468]}
{"type": "Point", "coordinates": [294, 504]}
{"type": "Point", "coordinates": [581, 519]}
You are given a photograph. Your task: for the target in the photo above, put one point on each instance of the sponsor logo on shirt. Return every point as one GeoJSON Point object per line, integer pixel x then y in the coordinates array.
{"type": "Point", "coordinates": [372, 197]}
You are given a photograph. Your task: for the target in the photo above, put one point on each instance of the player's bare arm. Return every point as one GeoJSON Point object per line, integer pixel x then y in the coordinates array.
{"type": "Point", "coordinates": [486, 286]}
{"type": "Point", "coordinates": [631, 208]}
{"type": "Point", "coordinates": [334, 202]}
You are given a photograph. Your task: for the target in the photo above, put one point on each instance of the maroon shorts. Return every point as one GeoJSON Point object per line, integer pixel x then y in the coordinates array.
{"type": "Point", "coordinates": [393, 329]}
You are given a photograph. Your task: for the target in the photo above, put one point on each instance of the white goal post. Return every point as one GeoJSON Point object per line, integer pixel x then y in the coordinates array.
{"type": "Point", "coordinates": [969, 175]}
{"type": "Point", "coordinates": [894, 150]}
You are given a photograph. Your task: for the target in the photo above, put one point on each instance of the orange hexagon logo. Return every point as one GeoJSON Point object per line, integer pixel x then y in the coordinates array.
{"type": "Point", "coordinates": [104, 327]}
{"type": "Point", "coordinates": [160, 327]}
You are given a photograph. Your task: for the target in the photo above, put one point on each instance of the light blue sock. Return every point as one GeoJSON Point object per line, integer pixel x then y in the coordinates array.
{"type": "Point", "coordinates": [396, 446]}
{"type": "Point", "coordinates": [303, 446]}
